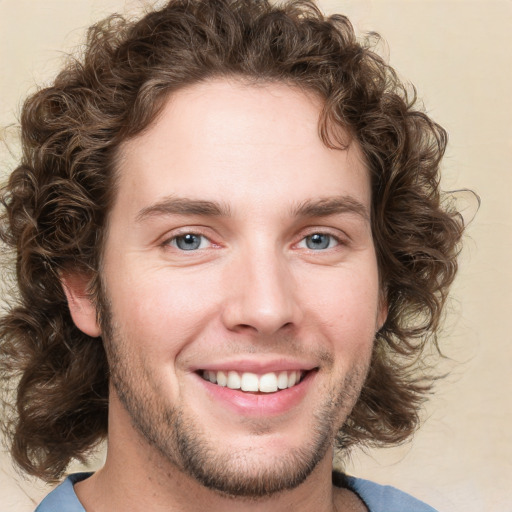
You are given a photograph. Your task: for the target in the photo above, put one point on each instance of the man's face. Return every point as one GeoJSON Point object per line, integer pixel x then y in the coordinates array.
{"type": "Point", "coordinates": [239, 251]}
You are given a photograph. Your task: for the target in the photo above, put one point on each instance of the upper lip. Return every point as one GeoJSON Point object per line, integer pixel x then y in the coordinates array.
{"type": "Point", "coordinates": [257, 366]}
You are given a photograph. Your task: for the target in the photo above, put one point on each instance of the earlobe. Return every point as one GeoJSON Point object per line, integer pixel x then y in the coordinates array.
{"type": "Point", "coordinates": [81, 306]}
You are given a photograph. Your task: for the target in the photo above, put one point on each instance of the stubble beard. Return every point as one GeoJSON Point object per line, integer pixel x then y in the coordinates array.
{"type": "Point", "coordinates": [182, 442]}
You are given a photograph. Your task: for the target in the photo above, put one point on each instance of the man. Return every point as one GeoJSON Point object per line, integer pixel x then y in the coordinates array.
{"type": "Point", "coordinates": [230, 254]}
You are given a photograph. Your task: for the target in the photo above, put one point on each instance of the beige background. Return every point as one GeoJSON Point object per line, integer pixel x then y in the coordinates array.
{"type": "Point", "coordinates": [458, 54]}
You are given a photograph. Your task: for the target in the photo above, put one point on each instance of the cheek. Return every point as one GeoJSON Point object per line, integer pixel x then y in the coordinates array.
{"type": "Point", "coordinates": [162, 309]}
{"type": "Point", "coordinates": [345, 309]}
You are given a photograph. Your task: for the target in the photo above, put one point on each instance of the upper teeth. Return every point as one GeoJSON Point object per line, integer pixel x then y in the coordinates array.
{"type": "Point", "coordinates": [266, 383]}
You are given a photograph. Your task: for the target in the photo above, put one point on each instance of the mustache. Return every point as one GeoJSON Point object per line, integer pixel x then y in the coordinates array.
{"type": "Point", "coordinates": [280, 346]}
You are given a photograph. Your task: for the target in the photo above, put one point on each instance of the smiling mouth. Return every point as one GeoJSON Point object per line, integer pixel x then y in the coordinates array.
{"type": "Point", "coordinates": [248, 382]}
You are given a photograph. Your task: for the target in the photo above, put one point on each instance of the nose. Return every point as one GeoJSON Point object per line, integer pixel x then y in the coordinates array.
{"type": "Point", "coordinates": [261, 295]}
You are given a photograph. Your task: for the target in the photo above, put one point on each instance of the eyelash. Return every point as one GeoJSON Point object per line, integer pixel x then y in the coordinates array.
{"type": "Point", "coordinates": [174, 241]}
{"type": "Point", "coordinates": [331, 237]}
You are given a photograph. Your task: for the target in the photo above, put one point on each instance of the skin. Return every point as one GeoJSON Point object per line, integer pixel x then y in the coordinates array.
{"type": "Point", "coordinates": [253, 294]}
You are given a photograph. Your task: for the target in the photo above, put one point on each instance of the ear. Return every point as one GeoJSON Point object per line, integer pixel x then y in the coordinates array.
{"type": "Point", "coordinates": [382, 313]}
{"type": "Point", "coordinates": [81, 305]}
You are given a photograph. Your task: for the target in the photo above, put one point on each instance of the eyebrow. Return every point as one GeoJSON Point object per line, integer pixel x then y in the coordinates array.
{"type": "Point", "coordinates": [184, 206]}
{"type": "Point", "coordinates": [327, 206]}
{"type": "Point", "coordinates": [323, 207]}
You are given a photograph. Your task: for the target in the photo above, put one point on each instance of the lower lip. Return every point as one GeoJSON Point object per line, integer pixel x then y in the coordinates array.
{"type": "Point", "coordinates": [250, 404]}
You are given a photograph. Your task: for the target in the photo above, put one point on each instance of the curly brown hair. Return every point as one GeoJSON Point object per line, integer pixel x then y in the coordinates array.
{"type": "Point", "coordinates": [56, 203]}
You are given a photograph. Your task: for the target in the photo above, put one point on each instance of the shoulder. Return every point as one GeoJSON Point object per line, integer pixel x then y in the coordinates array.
{"type": "Point", "coordinates": [384, 498]}
{"type": "Point", "coordinates": [63, 497]}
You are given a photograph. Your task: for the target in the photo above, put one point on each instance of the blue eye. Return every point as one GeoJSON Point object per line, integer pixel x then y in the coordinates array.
{"type": "Point", "coordinates": [189, 242]}
{"type": "Point", "coordinates": [320, 241]}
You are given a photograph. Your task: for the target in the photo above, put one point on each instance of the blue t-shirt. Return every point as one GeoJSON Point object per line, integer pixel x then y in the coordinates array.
{"type": "Point", "coordinates": [378, 498]}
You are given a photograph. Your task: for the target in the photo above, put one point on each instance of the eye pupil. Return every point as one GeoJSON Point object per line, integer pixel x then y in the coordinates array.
{"type": "Point", "coordinates": [188, 242]}
{"type": "Point", "coordinates": [317, 241]}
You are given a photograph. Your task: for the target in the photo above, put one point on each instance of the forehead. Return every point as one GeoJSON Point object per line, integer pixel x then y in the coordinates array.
{"type": "Point", "coordinates": [240, 143]}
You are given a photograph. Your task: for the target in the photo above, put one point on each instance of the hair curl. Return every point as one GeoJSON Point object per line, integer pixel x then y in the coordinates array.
{"type": "Point", "coordinates": [56, 203]}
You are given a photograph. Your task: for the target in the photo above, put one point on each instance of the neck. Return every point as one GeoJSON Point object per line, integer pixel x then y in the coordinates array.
{"type": "Point", "coordinates": [137, 477]}
{"type": "Point", "coordinates": [170, 490]}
